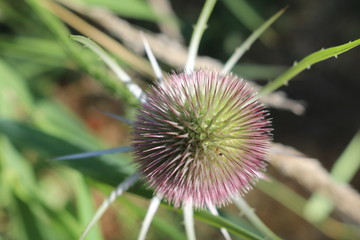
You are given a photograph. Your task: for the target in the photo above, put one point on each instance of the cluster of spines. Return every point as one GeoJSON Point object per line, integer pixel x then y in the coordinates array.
{"type": "Point", "coordinates": [201, 137]}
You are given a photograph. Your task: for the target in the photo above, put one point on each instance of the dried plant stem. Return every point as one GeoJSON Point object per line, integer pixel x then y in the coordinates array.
{"type": "Point", "coordinates": [101, 38]}
{"type": "Point", "coordinates": [152, 59]}
{"type": "Point", "coordinates": [310, 173]}
{"type": "Point", "coordinates": [175, 53]}
{"type": "Point", "coordinates": [168, 26]}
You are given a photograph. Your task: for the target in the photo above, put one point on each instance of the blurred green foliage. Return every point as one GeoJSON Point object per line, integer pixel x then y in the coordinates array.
{"type": "Point", "coordinates": [41, 199]}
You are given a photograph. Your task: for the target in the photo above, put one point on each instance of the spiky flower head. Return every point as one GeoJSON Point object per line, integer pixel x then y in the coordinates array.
{"type": "Point", "coordinates": [202, 138]}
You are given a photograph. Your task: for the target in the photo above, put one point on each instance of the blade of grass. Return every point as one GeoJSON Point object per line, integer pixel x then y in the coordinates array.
{"type": "Point", "coordinates": [94, 153]}
{"type": "Point", "coordinates": [221, 222]}
{"type": "Point", "coordinates": [83, 58]}
{"type": "Point", "coordinates": [306, 63]}
{"type": "Point", "coordinates": [137, 9]}
{"type": "Point", "coordinates": [14, 95]}
{"type": "Point", "coordinates": [39, 46]}
{"type": "Point", "coordinates": [295, 203]}
{"type": "Point", "coordinates": [47, 145]}
{"type": "Point", "coordinates": [246, 14]}
{"type": "Point", "coordinates": [138, 63]}
{"type": "Point", "coordinates": [318, 208]}
{"type": "Point", "coordinates": [85, 205]}
{"type": "Point", "coordinates": [20, 177]}
{"type": "Point", "coordinates": [51, 146]}
{"type": "Point", "coordinates": [119, 72]}
{"type": "Point", "coordinates": [26, 189]}
{"type": "Point", "coordinates": [119, 190]}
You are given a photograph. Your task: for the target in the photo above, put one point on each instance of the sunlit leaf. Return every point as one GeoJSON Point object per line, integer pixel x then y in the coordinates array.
{"type": "Point", "coordinates": [306, 63]}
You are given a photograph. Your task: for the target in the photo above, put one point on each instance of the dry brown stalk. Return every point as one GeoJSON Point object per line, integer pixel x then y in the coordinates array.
{"type": "Point", "coordinates": [170, 51]}
{"type": "Point", "coordinates": [309, 173]}
{"type": "Point", "coordinates": [169, 25]}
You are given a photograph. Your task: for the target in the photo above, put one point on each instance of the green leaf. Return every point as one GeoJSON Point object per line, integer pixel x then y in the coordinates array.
{"type": "Point", "coordinates": [239, 52]}
{"type": "Point", "coordinates": [14, 95]}
{"type": "Point", "coordinates": [85, 206]}
{"type": "Point", "coordinates": [307, 62]}
{"type": "Point", "coordinates": [221, 222]}
{"type": "Point", "coordinates": [26, 206]}
{"type": "Point", "coordinates": [31, 46]}
{"type": "Point", "coordinates": [318, 207]}
{"type": "Point", "coordinates": [139, 9]}
{"type": "Point", "coordinates": [84, 59]}
{"type": "Point", "coordinates": [100, 169]}
{"type": "Point", "coordinates": [55, 119]}
{"type": "Point", "coordinates": [246, 14]}
{"type": "Point", "coordinates": [17, 172]}
{"type": "Point", "coordinates": [104, 169]}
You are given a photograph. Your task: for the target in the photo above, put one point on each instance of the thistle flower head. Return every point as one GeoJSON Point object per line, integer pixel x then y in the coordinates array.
{"type": "Point", "coordinates": [201, 137]}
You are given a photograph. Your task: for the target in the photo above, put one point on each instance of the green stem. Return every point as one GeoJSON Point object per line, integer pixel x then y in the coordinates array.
{"type": "Point", "coordinates": [253, 218]}
{"type": "Point", "coordinates": [239, 52]}
{"type": "Point", "coordinates": [197, 34]}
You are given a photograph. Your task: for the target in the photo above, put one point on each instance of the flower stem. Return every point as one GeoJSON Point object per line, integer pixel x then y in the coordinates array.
{"type": "Point", "coordinates": [189, 221]}
{"type": "Point", "coordinates": [239, 52]}
{"type": "Point", "coordinates": [197, 34]}
{"type": "Point", "coordinates": [122, 187]}
{"type": "Point", "coordinates": [154, 205]}
{"type": "Point", "coordinates": [111, 63]}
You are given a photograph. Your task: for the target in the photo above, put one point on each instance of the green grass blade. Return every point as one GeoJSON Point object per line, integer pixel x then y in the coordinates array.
{"type": "Point", "coordinates": [14, 94]}
{"type": "Point", "coordinates": [137, 9]}
{"type": "Point", "coordinates": [306, 63]}
{"type": "Point", "coordinates": [55, 119]}
{"type": "Point", "coordinates": [50, 146]}
{"type": "Point", "coordinates": [318, 208]}
{"type": "Point", "coordinates": [20, 178]}
{"type": "Point", "coordinates": [85, 206]}
{"type": "Point", "coordinates": [111, 63]}
{"type": "Point", "coordinates": [296, 203]}
{"type": "Point", "coordinates": [47, 145]}
{"type": "Point", "coordinates": [348, 163]}
{"type": "Point", "coordinates": [221, 222]}
{"type": "Point", "coordinates": [32, 46]}
{"type": "Point", "coordinates": [83, 58]}
{"type": "Point", "coordinates": [246, 14]}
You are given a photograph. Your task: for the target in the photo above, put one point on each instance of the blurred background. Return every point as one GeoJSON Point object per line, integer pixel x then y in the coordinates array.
{"type": "Point", "coordinates": [51, 88]}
